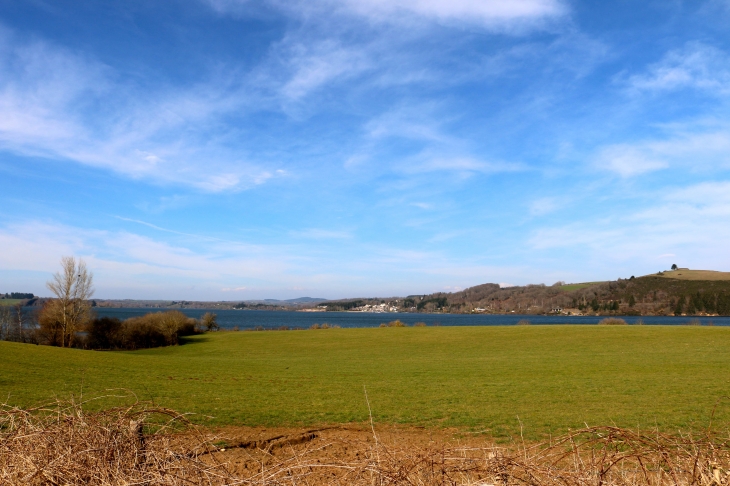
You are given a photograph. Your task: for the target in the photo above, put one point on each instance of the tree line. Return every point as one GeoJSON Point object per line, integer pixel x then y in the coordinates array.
{"type": "Point", "coordinates": [69, 321]}
{"type": "Point", "coordinates": [17, 296]}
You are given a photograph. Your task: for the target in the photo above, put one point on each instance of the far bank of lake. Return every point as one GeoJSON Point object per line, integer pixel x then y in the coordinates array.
{"type": "Point", "coordinates": [252, 319]}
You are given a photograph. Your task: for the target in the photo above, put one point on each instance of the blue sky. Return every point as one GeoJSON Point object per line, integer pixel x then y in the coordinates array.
{"type": "Point", "coordinates": [244, 149]}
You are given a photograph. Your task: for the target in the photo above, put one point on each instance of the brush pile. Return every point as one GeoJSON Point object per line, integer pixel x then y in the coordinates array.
{"type": "Point", "coordinates": [64, 445]}
{"type": "Point", "coordinates": [596, 456]}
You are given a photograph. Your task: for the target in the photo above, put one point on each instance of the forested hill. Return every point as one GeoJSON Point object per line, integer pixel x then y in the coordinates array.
{"type": "Point", "coordinates": [666, 293]}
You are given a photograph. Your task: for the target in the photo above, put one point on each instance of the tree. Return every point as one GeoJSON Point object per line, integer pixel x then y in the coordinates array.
{"type": "Point", "coordinates": [209, 321]}
{"type": "Point", "coordinates": [674, 266]}
{"type": "Point", "coordinates": [71, 309]}
{"type": "Point", "coordinates": [632, 300]}
{"type": "Point", "coordinates": [6, 319]}
{"type": "Point", "coordinates": [678, 309]}
{"type": "Point", "coordinates": [19, 320]}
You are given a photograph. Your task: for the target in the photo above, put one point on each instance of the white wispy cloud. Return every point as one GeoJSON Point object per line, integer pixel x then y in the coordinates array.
{"type": "Point", "coordinates": [687, 146]}
{"type": "Point", "coordinates": [691, 223]}
{"type": "Point", "coordinates": [48, 96]}
{"type": "Point", "coordinates": [492, 14]}
{"type": "Point", "coordinates": [315, 65]}
{"type": "Point", "coordinates": [545, 205]}
{"type": "Point", "coordinates": [696, 65]}
{"type": "Point", "coordinates": [322, 234]}
{"type": "Point", "coordinates": [463, 165]}
{"type": "Point", "coordinates": [628, 160]}
{"type": "Point", "coordinates": [130, 265]}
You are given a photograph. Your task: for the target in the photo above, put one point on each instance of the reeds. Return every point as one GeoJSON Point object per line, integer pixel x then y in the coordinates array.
{"type": "Point", "coordinates": [64, 445]}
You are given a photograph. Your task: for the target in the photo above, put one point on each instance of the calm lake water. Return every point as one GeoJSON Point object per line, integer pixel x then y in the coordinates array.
{"type": "Point", "coordinates": [250, 319]}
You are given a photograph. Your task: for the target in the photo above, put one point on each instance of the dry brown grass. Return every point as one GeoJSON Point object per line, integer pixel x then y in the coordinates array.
{"type": "Point", "coordinates": [696, 275]}
{"type": "Point", "coordinates": [595, 456]}
{"type": "Point", "coordinates": [64, 445]}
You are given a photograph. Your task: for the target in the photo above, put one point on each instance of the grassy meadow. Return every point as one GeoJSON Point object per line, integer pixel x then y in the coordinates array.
{"type": "Point", "coordinates": [486, 379]}
{"type": "Point", "coordinates": [577, 286]}
{"type": "Point", "coordinates": [702, 275]}
{"type": "Point", "coordinates": [10, 302]}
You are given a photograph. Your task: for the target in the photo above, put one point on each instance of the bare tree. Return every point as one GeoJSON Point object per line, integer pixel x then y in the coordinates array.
{"type": "Point", "coordinates": [6, 319]}
{"type": "Point", "coordinates": [72, 287]}
{"type": "Point", "coordinates": [20, 320]}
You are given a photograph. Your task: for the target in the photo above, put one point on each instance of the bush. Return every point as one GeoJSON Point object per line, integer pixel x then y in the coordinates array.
{"type": "Point", "coordinates": [104, 333]}
{"type": "Point", "coordinates": [397, 323]}
{"type": "Point", "coordinates": [523, 322]}
{"type": "Point", "coordinates": [148, 331]}
{"type": "Point", "coordinates": [209, 322]}
{"type": "Point", "coordinates": [419, 324]}
{"type": "Point", "coordinates": [613, 321]}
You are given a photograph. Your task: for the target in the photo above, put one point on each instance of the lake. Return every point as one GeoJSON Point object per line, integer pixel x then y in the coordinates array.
{"type": "Point", "coordinates": [251, 319]}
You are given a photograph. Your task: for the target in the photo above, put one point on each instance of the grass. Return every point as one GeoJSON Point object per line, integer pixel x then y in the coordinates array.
{"type": "Point", "coordinates": [696, 275]}
{"type": "Point", "coordinates": [481, 378]}
{"type": "Point", "coordinates": [577, 286]}
{"type": "Point", "coordinates": [9, 302]}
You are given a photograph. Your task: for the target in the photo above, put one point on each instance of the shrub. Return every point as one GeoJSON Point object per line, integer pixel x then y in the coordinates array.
{"type": "Point", "coordinates": [419, 324]}
{"type": "Point", "coordinates": [314, 326]}
{"type": "Point", "coordinates": [397, 323]}
{"type": "Point", "coordinates": [104, 333]}
{"type": "Point", "coordinates": [382, 324]}
{"type": "Point", "coordinates": [523, 322]}
{"type": "Point", "coordinates": [209, 322]}
{"type": "Point", "coordinates": [613, 321]}
{"type": "Point", "coordinates": [147, 331]}
{"type": "Point", "coordinates": [694, 322]}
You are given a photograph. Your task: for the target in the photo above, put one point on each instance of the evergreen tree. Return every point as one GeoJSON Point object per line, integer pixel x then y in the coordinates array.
{"type": "Point", "coordinates": [679, 307]}
{"type": "Point", "coordinates": [723, 304]}
{"type": "Point", "coordinates": [708, 302]}
{"type": "Point", "coordinates": [632, 301]}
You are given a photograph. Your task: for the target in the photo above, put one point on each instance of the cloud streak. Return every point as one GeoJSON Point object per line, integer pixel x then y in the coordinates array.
{"type": "Point", "coordinates": [491, 14]}
{"type": "Point", "coordinates": [48, 97]}
{"type": "Point", "coordinates": [695, 66]}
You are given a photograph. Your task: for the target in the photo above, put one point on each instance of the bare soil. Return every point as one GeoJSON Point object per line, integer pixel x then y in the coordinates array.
{"type": "Point", "coordinates": [330, 454]}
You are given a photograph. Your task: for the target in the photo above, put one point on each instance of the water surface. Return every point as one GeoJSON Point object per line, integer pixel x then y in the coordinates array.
{"type": "Point", "coordinates": [251, 319]}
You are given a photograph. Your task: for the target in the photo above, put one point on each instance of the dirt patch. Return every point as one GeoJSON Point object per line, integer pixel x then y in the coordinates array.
{"type": "Point", "coordinates": [247, 451]}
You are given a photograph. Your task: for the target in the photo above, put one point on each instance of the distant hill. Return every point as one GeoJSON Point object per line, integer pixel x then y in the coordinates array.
{"type": "Point", "coordinates": [300, 300]}
{"type": "Point", "coordinates": [266, 304]}
{"type": "Point", "coordinates": [687, 274]}
{"type": "Point", "coordinates": [680, 292]}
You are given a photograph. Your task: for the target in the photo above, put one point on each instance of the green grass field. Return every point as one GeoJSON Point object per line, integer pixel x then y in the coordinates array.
{"type": "Point", "coordinates": [576, 286]}
{"type": "Point", "coordinates": [479, 378]}
{"type": "Point", "coordinates": [10, 302]}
